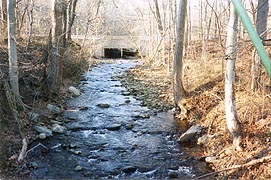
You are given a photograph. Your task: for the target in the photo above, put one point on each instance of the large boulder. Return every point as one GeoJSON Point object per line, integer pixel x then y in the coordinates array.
{"type": "Point", "coordinates": [190, 133]}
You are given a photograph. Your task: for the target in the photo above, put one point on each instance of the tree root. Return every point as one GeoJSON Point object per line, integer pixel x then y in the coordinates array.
{"type": "Point", "coordinates": [236, 167]}
{"type": "Point", "coordinates": [14, 109]}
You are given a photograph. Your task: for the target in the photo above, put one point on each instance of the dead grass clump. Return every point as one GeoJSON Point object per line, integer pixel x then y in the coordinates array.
{"type": "Point", "coordinates": [74, 63]}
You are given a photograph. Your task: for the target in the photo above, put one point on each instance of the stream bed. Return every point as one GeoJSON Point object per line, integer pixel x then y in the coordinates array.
{"type": "Point", "coordinates": [110, 135]}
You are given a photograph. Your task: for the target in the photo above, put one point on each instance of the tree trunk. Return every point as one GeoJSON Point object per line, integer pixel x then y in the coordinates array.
{"type": "Point", "coordinates": [30, 19]}
{"type": "Point", "coordinates": [230, 102]}
{"type": "Point", "coordinates": [12, 51]}
{"type": "Point", "coordinates": [261, 26]}
{"type": "Point", "coordinates": [158, 17]}
{"type": "Point", "coordinates": [178, 88]}
{"type": "Point", "coordinates": [55, 76]}
{"type": "Point", "coordinates": [71, 16]}
{"type": "Point", "coordinates": [4, 28]}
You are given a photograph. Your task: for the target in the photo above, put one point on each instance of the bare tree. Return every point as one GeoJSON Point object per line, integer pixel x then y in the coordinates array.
{"type": "Point", "coordinates": [178, 88]}
{"type": "Point", "coordinates": [158, 17]}
{"type": "Point", "coordinates": [70, 19]}
{"type": "Point", "coordinates": [261, 26]}
{"type": "Point", "coordinates": [55, 73]}
{"type": "Point", "coordinates": [3, 23]}
{"type": "Point", "coordinates": [12, 51]}
{"type": "Point", "coordinates": [230, 102]}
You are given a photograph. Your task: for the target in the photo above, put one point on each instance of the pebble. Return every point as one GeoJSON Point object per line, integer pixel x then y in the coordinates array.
{"type": "Point", "coordinates": [102, 105]}
{"type": "Point", "coordinates": [78, 168]}
{"type": "Point", "coordinates": [211, 159]}
{"type": "Point", "coordinates": [42, 136]}
{"type": "Point", "coordinates": [126, 93]}
{"type": "Point", "coordinates": [113, 127]}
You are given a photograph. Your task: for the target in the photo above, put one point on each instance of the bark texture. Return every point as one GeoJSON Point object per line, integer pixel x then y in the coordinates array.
{"type": "Point", "coordinates": [230, 103]}
{"type": "Point", "coordinates": [3, 23]}
{"type": "Point", "coordinates": [261, 27]}
{"type": "Point", "coordinates": [12, 51]}
{"type": "Point", "coordinates": [178, 88]}
{"type": "Point", "coordinates": [71, 16]}
{"type": "Point", "coordinates": [55, 73]}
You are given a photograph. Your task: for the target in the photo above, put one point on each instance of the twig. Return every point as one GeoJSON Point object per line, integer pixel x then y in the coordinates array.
{"type": "Point", "coordinates": [250, 163]}
{"type": "Point", "coordinates": [35, 148]}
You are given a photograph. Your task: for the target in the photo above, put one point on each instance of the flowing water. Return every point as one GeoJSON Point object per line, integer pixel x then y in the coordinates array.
{"type": "Point", "coordinates": [112, 136]}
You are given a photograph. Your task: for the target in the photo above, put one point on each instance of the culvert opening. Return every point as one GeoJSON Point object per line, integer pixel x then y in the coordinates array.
{"type": "Point", "coordinates": [113, 53]}
{"type": "Point", "coordinates": [129, 53]}
{"type": "Point", "coordinates": [126, 53]}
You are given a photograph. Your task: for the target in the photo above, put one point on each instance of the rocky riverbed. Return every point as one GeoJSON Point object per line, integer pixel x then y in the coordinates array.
{"type": "Point", "coordinates": [107, 133]}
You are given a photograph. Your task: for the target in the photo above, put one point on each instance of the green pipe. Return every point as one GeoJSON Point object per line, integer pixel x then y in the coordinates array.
{"type": "Point", "coordinates": [240, 10]}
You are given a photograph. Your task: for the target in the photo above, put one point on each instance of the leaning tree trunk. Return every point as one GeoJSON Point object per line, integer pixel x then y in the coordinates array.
{"type": "Point", "coordinates": [230, 102]}
{"type": "Point", "coordinates": [261, 26]}
{"type": "Point", "coordinates": [178, 88]}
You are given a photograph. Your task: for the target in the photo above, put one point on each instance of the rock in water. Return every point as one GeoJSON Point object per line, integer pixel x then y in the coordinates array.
{"type": "Point", "coordinates": [78, 168]}
{"type": "Point", "coordinates": [113, 127]}
{"type": "Point", "coordinates": [190, 133]}
{"type": "Point", "coordinates": [74, 91]}
{"type": "Point", "coordinates": [129, 169]}
{"type": "Point", "coordinates": [102, 105]}
{"type": "Point", "coordinates": [58, 128]}
{"type": "Point", "coordinates": [53, 108]}
{"type": "Point", "coordinates": [43, 129]}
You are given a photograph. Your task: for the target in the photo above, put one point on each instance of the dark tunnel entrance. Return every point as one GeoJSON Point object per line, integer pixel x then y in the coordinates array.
{"type": "Point", "coordinates": [125, 53]}
{"type": "Point", "coordinates": [112, 53]}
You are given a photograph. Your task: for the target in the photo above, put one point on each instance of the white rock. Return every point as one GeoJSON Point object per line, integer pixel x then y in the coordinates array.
{"type": "Point", "coordinates": [78, 168]}
{"type": "Point", "coordinates": [58, 128]}
{"type": "Point", "coordinates": [212, 159]}
{"type": "Point", "coordinates": [42, 136]}
{"type": "Point", "coordinates": [74, 91]}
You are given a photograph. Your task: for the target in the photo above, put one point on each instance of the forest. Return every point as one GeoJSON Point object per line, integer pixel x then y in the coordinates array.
{"type": "Point", "coordinates": [145, 89]}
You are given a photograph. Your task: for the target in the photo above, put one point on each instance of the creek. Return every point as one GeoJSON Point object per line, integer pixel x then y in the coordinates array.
{"type": "Point", "coordinates": [110, 135]}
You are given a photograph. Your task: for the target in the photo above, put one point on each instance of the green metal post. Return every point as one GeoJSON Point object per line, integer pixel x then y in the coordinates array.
{"type": "Point", "coordinates": [240, 10]}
